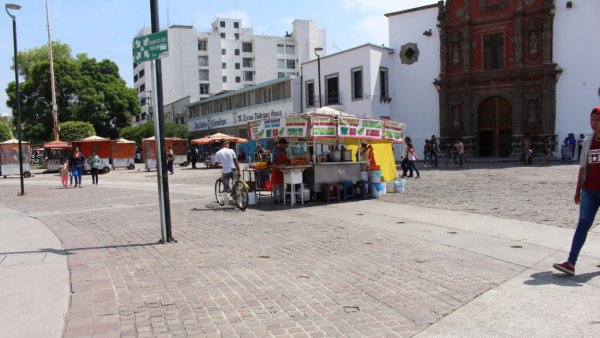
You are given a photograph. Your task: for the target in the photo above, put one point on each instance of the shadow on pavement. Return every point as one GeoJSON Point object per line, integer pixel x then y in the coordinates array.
{"type": "Point", "coordinates": [561, 279]}
{"type": "Point", "coordinates": [70, 251]}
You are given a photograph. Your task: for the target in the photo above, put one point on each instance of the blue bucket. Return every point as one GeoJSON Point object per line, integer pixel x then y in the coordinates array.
{"type": "Point", "coordinates": [375, 190]}
{"type": "Point", "coordinates": [399, 185]}
{"type": "Point", "coordinates": [375, 176]}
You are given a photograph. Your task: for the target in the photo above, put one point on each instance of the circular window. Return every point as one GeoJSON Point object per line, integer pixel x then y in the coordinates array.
{"type": "Point", "coordinates": [409, 53]}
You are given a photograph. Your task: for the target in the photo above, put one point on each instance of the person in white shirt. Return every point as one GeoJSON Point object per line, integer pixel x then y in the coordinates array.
{"type": "Point", "coordinates": [226, 157]}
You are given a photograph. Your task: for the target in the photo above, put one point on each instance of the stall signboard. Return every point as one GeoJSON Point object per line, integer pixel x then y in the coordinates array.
{"type": "Point", "coordinates": [323, 127]}
{"type": "Point", "coordinates": [393, 130]}
{"type": "Point", "coordinates": [354, 127]}
{"type": "Point", "coordinates": [278, 127]}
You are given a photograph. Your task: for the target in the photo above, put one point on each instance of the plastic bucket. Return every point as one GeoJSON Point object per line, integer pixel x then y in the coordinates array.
{"type": "Point", "coordinates": [364, 175]}
{"type": "Point", "coordinates": [252, 200]}
{"type": "Point", "coordinates": [375, 176]}
{"type": "Point", "coordinates": [375, 190]}
{"type": "Point", "coordinates": [306, 193]}
{"type": "Point", "coordinates": [383, 188]}
{"type": "Point", "coordinates": [390, 187]}
{"type": "Point", "coordinates": [399, 185]}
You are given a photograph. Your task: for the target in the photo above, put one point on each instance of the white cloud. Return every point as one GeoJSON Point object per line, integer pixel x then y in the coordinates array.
{"type": "Point", "coordinates": [373, 29]}
{"type": "Point", "coordinates": [384, 6]}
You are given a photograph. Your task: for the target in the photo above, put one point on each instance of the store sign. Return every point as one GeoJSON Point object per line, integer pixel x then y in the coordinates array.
{"type": "Point", "coordinates": [348, 127]}
{"type": "Point", "coordinates": [368, 128]}
{"type": "Point", "coordinates": [245, 117]}
{"type": "Point", "coordinates": [212, 123]}
{"type": "Point", "coordinates": [393, 130]}
{"type": "Point", "coordinates": [277, 127]}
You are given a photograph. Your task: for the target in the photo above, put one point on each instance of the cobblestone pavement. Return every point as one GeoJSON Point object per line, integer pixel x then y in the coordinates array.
{"type": "Point", "coordinates": [264, 272]}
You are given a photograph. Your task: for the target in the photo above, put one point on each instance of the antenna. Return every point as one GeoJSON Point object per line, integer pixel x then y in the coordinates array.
{"type": "Point", "coordinates": [336, 47]}
{"type": "Point", "coordinates": [168, 13]}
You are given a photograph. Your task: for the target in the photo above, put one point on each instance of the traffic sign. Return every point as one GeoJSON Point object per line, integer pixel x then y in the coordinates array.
{"type": "Point", "coordinates": [150, 47]}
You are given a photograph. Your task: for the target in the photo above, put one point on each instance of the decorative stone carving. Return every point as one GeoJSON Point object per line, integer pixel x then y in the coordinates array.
{"type": "Point", "coordinates": [409, 53]}
{"type": "Point", "coordinates": [456, 52]}
{"type": "Point", "coordinates": [457, 117]}
{"type": "Point", "coordinates": [533, 111]}
{"type": "Point", "coordinates": [492, 5]}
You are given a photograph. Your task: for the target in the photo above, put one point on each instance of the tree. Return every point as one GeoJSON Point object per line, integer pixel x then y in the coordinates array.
{"type": "Point", "coordinates": [5, 133]}
{"type": "Point", "coordinates": [145, 130]}
{"type": "Point", "coordinates": [86, 90]}
{"type": "Point", "coordinates": [76, 130]}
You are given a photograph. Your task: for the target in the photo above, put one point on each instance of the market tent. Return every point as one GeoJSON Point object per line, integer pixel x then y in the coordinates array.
{"type": "Point", "coordinates": [12, 141]}
{"type": "Point", "coordinates": [323, 111]}
{"type": "Point", "coordinates": [94, 138]}
{"type": "Point", "coordinates": [218, 137]}
{"type": "Point", "coordinates": [122, 140]}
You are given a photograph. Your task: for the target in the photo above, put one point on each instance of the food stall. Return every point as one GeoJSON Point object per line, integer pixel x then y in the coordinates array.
{"type": "Point", "coordinates": [55, 151]}
{"type": "Point", "coordinates": [329, 143]}
{"type": "Point", "coordinates": [123, 153]}
{"type": "Point", "coordinates": [178, 145]}
{"type": "Point", "coordinates": [101, 145]}
{"type": "Point", "coordinates": [9, 158]}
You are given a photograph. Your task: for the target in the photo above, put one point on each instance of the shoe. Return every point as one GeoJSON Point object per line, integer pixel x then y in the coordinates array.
{"type": "Point", "coordinates": [418, 176]}
{"type": "Point", "coordinates": [80, 185]}
{"type": "Point", "coordinates": [410, 176]}
{"type": "Point", "coordinates": [565, 267]}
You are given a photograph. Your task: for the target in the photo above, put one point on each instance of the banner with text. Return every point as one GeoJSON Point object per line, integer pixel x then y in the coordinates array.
{"type": "Point", "coordinates": [393, 130]}
{"type": "Point", "coordinates": [322, 127]}
{"type": "Point", "coordinates": [278, 127]}
{"type": "Point", "coordinates": [354, 127]}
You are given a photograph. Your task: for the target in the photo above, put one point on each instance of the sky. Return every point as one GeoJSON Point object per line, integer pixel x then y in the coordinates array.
{"type": "Point", "coordinates": [105, 29]}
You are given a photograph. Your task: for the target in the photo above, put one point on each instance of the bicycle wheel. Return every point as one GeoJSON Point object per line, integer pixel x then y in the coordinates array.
{"type": "Point", "coordinates": [219, 191]}
{"type": "Point", "coordinates": [241, 195]}
{"type": "Point", "coordinates": [450, 162]}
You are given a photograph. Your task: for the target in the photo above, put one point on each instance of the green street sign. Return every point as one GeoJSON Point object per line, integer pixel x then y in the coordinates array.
{"type": "Point", "coordinates": [150, 47]}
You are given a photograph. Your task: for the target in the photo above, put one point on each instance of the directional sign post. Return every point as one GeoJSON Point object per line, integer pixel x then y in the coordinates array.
{"type": "Point", "coordinates": [150, 47]}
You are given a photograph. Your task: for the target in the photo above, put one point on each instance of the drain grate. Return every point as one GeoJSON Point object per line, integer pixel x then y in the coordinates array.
{"type": "Point", "coordinates": [264, 256]}
{"type": "Point", "coordinates": [452, 232]}
{"type": "Point", "coordinates": [351, 309]}
{"type": "Point", "coordinates": [516, 246]}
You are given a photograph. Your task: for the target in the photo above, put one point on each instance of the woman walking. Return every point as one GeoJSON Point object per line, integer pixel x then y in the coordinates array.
{"type": "Point", "coordinates": [76, 162]}
{"type": "Point", "coordinates": [412, 157]}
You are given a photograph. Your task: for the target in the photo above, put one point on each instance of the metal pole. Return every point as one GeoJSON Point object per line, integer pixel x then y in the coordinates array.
{"type": "Point", "coordinates": [18, 99]}
{"type": "Point", "coordinates": [319, 75]}
{"type": "Point", "coordinates": [160, 136]}
{"type": "Point", "coordinates": [52, 87]}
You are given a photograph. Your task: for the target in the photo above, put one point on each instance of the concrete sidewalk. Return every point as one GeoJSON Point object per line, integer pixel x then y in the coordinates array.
{"type": "Point", "coordinates": [34, 278]}
{"type": "Point", "coordinates": [398, 270]}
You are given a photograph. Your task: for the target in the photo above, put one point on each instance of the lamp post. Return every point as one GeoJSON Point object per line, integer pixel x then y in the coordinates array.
{"type": "Point", "coordinates": [18, 97]}
{"type": "Point", "coordinates": [52, 86]}
{"type": "Point", "coordinates": [318, 49]}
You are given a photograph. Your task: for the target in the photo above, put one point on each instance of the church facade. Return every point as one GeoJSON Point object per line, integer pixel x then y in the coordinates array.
{"type": "Point", "coordinates": [497, 81]}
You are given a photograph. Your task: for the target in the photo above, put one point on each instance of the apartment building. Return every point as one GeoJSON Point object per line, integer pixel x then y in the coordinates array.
{"type": "Point", "coordinates": [226, 58]}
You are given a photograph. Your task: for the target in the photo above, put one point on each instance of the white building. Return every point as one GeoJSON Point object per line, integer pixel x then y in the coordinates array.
{"type": "Point", "coordinates": [229, 57]}
{"type": "Point", "coordinates": [576, 49]}
{"type": "Point", "coordinates": [230, 113]}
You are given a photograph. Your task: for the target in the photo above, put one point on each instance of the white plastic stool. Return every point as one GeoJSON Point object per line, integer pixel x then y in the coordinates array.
{"type": "Point", "coordinates": [290, 189]}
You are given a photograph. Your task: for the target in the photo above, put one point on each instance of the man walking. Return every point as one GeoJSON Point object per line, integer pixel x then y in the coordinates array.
{"type": "Point", "coordinates": [170, 160]}
{"type": "Point", "coordinates": [587, 192]}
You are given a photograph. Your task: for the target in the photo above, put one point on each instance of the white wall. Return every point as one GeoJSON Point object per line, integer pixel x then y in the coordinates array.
{"type": "Point", "coordinates": [415, 98]}
{"type": "Point", "coordinates": [576, 51]}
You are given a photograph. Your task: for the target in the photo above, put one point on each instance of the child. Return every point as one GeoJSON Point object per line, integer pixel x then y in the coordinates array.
{"type": "Point", "coordinates": [64, 172]}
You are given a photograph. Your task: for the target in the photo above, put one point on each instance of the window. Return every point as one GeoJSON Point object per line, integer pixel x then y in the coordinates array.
{"type": "Point", "coordinates": [357, 84]}
{"type": "Point", "coordinates": [203, 75]}
{"type": "Point", "coordinates": [237, 51]}
{"type": "Point", "coordinates": [204, 89]}
{"type": "Point", "coordinates": [223, 51]}
{"type": "Point", "coordinates": [247, 62]}
{"type": "Point", "coordinates": [310, 93]}
{"type": "Point", "coordinates": [141, 74]}
{"type": "Point", "coordinates": [280, 75]}
{"type": "Point", "coordinates": [237, 65]}
{"type": "Point", "coordinates": [135, 78]}
{"type": "Point", "coordinates": [223, 35]}
{"type": "Point", "coordinates": [280, 49]}
{"type": "Point", "coordinates": [142, 87]}
{"type": "Point", "coordinates": [291, 64]}
{"type": "Point", "coordinates": [236, 24]}
{"type": "Point", "coordinates": [135, 65]}
{"type": "Point", "coordinates": [222, 23]}
{"type": "Point", "coordinates": [203, 60]}
{"type": "Point", "coordinates": [247, 47]}
{"type": "Point", "coordinates": [280, 63]}
{"type": "Point", "coordinates": [224, 65]}
{"type": "Point", "coordinates": [383, 82]}
{"type": "Point", "coordinates": [224, 79]}
{"type": "Point", "coordinates": [290, 49]}
{"type": "Point", "coordinates": [236, 36]}
{"type": "Point", "coordinates": [248, 76]}
{"type": "Point", "coordinates": [332, 90]}
{"type": "Point", "coordinates": [202, 44]}
{"type": "Point", "coordinates": [493, 51]}
{"type": "Point", "coordinates": [238, 79]}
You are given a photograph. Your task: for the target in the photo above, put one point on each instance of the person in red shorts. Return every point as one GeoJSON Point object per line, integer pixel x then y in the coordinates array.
{"type": "Point", "coordinates": [587, 193]}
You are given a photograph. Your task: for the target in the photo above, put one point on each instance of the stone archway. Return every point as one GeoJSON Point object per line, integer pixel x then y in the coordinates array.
{"type": "Point", "coordinates": [494, 132]}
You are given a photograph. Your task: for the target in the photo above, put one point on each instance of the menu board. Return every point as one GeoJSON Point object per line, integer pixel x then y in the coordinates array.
{"type": "Point", "coordinates": [323, 127]}
{"type": "Point", "coordinates": [393, 130]}
{"type": "Point", "coordinates": [353, 127]}
{"type": "Point", "coordinates": [278, 127]}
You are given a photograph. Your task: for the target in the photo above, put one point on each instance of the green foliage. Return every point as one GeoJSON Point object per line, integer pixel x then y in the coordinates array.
{"type": "Point", "coordinates": [76, 130]}
{"type": "Point", "coordinates": [145, 130]}
{"type": "Point", "coordinates": [86, 90]}
{"type": "Point", "coordinates": [5, 133]}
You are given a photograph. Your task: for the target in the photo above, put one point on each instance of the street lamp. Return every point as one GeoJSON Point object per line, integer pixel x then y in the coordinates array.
{"type": "Point", "coordinates": [319, 49]}
{"type": "Point", "coordinates": [18, 97]}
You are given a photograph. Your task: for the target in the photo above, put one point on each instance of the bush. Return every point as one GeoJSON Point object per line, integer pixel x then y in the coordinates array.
{"type": "Point", "coordinates": [76, 130]}
{"type": "Point", "coordinates": [5, 133]}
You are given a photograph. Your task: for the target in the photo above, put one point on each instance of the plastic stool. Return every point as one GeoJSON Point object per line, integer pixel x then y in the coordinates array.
{"type": "Point", "coordinates": [290, 189]}
{"type": "Point", "coordinates": [363, 187]}
{"type": "Point", "coordinates": [347, 190]}
{"type": "Point", "coordinates": [330, 191]}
